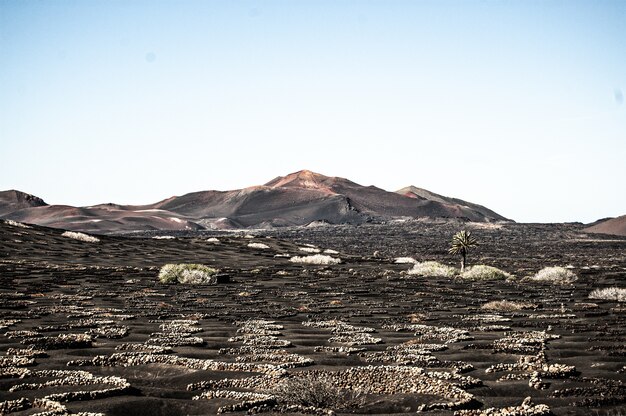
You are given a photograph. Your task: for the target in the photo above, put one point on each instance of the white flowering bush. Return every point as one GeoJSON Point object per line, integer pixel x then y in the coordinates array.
{"type": "Point", "coordinates": [555, 275]}
{"type": "Point", "coordinates": [483, 272]}
{"type": "Point", "coordinates": [432, 269]}
{"type": "Point", "coordinates": [81, 237]}
{"type": "Point", "coordinates": [260, 246]}
{"type": "Point", "coordinates": [617, 294]}
{"type": "Point", "coordinates": [187, 274]}
{"type": "Point", "coordinates": [315, 259]}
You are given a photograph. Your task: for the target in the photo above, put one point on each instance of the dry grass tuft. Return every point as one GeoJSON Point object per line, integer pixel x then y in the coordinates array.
{"type": "Point", "coordinates": [432, 269]}
{"type": "Point", "coordinates": [315, 259]}
{"type": "Point", "coordinates": [482, 272]}
{"type": "Point", "coordinates": [555, 275]}
{"type": "Point", "coordinates": [506, 306]}
{"type": "Point", "coordinates": [16, 224]}
{"type": "Point", "coordinates": [310, 249]}
{"type": "Point", "coordinates": [81, 237]}
{"type": "Point", "coordinates": [259, 246]}
{"type": "Point", "coordinates": [610, 293]}
{"type": "Point", "coordinates": [405, 260]}
{"type": "Point", "coordinates": [187, 274]}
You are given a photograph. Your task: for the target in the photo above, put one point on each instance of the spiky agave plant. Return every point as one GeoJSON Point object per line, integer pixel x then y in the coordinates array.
{"type": "Point", "coordinates": [461, 243]}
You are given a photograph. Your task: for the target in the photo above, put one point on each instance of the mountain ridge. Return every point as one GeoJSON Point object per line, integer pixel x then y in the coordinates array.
{"type": "Point", "coordinates": [296, 199]}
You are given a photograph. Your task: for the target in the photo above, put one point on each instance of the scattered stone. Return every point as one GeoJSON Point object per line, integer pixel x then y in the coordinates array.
{"type": "Point", "coordinates": [60, 341]}
{"type": "Point", "coordinates": [527, 408]}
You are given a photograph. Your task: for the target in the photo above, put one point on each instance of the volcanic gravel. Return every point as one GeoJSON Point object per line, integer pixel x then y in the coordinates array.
{"type": "Point", "coordinates": [87, 327]}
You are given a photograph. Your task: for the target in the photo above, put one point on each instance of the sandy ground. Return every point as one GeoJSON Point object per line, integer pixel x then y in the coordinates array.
{"type": "Point", "coordinates": [277, 319]}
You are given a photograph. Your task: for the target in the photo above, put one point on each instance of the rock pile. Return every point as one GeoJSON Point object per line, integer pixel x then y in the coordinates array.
{"type": "Point", "coordinates": [375, 380]}
{"type": "Point", "coordinates": [60, 341]}
{"type": "Point", "coordinates": [527, 408]}
{"type": "Point", "coordinates": [521, 342]}
{"type": "Point", "coordinates": [532, 367]}
{"type": "Point", "coordinates": [247, 400]}
{"type": "Point", "coordinates": [261, 344]}
{"type": "Point", "coordinates": [414, 354]}
{"type": "Point", "coordinates": [395, 380]}
{"type": "Point", "coordinates": [176, 333]}
{"type": "Point", "coordinates": [129, 359]}
{"type": "Point", "coordinates": [426, 333]}
{"type": "Point", "coordinates": [344, 333]}
{"type": "Point", "coordinates": [602, 392]}
{"type": "Point", "coordinates": [110, 332]}
{"type": "Point", "coordinates": [5, 323]}
{"type": "Point", "coordinates": [52, 403]}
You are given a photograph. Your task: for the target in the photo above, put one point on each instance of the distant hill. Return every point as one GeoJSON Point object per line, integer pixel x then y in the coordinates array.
{"type": "Point", "coordinates": [13, 200]}
{"type": "Point", "coordinates": [467, 208]}
{"type": "Point", "coordinates": [613, 226]}
{"type": "Point", "coordinates": [102, 220]}
{"type": "Point", "coordinates": [296, 199]}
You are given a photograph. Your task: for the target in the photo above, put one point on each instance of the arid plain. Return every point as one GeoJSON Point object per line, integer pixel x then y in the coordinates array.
{"type": "Point", "coordinates": [88, 327]}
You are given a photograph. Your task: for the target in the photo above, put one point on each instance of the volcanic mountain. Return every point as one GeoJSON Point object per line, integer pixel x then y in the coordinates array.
{"type": "Point", "coordinates": [465, 208]}
{"type": "Point", "coordinates": [297, 199]}
{"type": "Point", "coordinates": [13, 200]}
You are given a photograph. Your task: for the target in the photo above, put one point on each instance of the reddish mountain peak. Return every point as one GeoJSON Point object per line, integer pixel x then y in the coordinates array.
{"type": "Point", "coordinates": [303, 179]}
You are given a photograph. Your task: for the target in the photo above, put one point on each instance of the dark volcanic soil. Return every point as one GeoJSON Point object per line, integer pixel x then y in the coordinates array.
{"type": "Point", "coordinates": [363, 323]}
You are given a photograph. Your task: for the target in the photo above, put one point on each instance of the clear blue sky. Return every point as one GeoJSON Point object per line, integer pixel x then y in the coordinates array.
{"type": "Point", "coordinates": [518, 106]}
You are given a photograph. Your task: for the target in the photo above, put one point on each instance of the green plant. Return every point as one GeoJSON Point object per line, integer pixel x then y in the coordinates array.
{"type": "Point", "coordinates": [187, 273]}
{"type": "Point", "coordinates": [461, 243]}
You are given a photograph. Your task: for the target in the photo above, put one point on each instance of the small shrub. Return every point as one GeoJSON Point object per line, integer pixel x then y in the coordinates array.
{"type": "Point", "coordinates": [506, 306]}
{"type": "Point", "coordinates": [318, 394]}
{"type": "Point", "coordinates": [610, 293]}
{"type": "Point", "coordinates": [315, 259]}
{"type": "Point", "coordinates": [405, 260]}
{"type": "Point", "coordinates": [187, 274]}
{"type": "Point", "coordinates": [259, 246]}
{"type": "Point", "coordinates": [482, 272]}
{"type": "Point", "coordinates": [556, 275]}
{"type": "Point", "coordinates": [81, 237]}
{"type": "Point", "coordinates": [432, 269]}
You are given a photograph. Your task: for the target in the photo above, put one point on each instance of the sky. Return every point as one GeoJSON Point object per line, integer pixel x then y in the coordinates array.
{"type": "Point", "coordinates": [515, 105]}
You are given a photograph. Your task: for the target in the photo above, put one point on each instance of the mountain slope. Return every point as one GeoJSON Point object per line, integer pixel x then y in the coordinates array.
{"type": "Point", "coordinates": [13, 200]}
{"type": "Point", "coordinates": [101, 220]}
{"type": "Point", "coordinates": [613, 226]}
{"type": "Point", "coordinates": [463, 206]}
{"type": "Point", "coordinates": [302, 197]}
{"type": "Point", "coordinates": [296, 199]}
